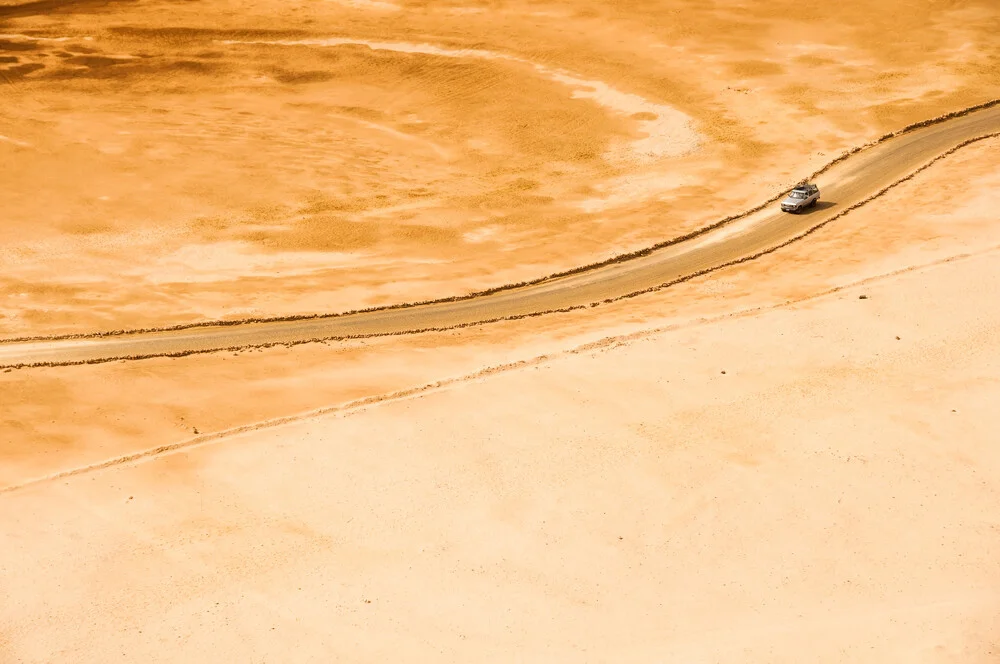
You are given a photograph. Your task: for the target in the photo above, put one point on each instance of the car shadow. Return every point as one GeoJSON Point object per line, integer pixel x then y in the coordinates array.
{"type": "Point", "coordinates": [819, 207]}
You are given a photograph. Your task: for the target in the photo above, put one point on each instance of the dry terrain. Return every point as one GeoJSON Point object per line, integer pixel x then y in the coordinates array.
{"type": "Point", "coordinates": [818, 481]}
{"type": "Point", "coordinates": [169, 162]}
{"type": "Point", "coordinates": [791, 459]}
{"type": "Point", "coordinates": [831, 496]}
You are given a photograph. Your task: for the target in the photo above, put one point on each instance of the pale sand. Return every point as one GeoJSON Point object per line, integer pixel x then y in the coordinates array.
{"type": "Point", "coordinates": [831, 497]}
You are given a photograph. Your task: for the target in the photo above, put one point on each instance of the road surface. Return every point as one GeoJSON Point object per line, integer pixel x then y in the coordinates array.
{"type": "Point", "coordinates": [850, 182]}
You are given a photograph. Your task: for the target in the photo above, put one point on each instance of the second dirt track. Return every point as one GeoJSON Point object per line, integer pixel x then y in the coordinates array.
{"type": "Point", "coordinates": [849, 183]}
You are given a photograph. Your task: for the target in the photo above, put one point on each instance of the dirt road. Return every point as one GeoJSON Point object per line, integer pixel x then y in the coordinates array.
{"type": "Point", "coordinates": [849, 183]}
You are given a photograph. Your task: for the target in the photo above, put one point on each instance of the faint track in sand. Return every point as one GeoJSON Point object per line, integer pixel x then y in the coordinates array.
{"type": "Point", "coordinates": [361, 404]}
{"type": "Point", "coordinates": [848, 182]}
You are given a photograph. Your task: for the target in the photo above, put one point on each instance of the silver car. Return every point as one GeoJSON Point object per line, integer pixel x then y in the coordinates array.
{"type": "Point", "coordinates": [802, 197]}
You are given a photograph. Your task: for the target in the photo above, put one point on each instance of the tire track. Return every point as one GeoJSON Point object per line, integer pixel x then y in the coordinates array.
{"type": "Point", "coordinates": [364, 403]}
{"type": "Point", "coordinates": [854, 179]}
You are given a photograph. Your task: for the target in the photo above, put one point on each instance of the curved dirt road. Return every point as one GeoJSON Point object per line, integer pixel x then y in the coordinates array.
{"type": "Point", "coordinates": [848, 183]}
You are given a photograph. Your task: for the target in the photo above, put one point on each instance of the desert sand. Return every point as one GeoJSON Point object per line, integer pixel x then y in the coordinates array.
{"type": "Point", "coordinates": [831, 496]}
{"type": "Point", "coordinates": [266, 159]}
{"type": "Point", "coordinates": [818, 481]}
{"type": "Point", "coordinates": [791, 459]}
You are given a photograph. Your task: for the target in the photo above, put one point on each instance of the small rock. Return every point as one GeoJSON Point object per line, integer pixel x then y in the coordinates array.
{"type": "Point", "coordinates": [862, 297]}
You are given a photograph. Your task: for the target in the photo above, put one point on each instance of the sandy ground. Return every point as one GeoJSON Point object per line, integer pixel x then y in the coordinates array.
{"type": "Point", "coordinates": [170, 162]}
{"type": "Point", "coordinates": [831, 496]}
{"type": "Point", "coordinates": [59, 419]}
{"type": "Point", "coordinates": [759, 465]}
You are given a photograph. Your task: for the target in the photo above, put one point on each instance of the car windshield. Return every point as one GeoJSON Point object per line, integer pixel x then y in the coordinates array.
{"type": "Point", "coordinates": [797, 194]}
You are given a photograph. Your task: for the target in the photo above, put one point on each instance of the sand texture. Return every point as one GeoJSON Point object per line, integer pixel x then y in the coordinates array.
{"type": "Point", "coordinates": [789, 459]}
{"type": "Point", "coordinates": [798, 484]}
{"type": "Point", "coordinates": [206, 161]}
